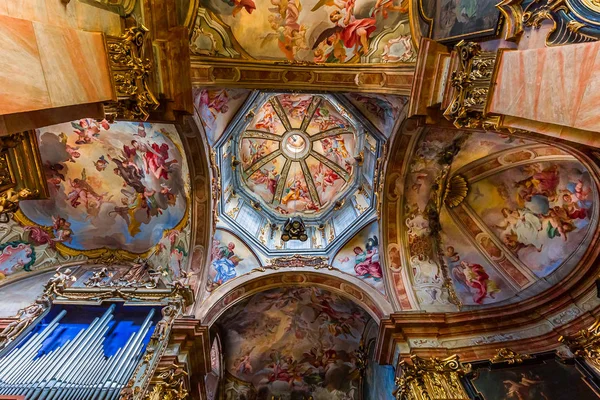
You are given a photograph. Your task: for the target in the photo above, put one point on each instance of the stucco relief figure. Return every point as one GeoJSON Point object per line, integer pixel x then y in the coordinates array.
{"type": "Point", "coordinates": [25, 317]}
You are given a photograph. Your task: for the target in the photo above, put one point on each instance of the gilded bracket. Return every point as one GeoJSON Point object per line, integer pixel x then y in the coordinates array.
{"type": "Point", "coordinates": [131, 73]}
{"type": "Point", "coordinates": [509, 356]}
{"type": "Point", "coordinates": [472, 84]}
{"type": "Point", "coordinates": [586, 344]}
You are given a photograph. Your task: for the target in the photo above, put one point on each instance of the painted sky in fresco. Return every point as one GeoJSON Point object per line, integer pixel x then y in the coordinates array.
{"type": "Point", "coordinates": [118, 185]}
{"type": "Point", "coordinates": [299, 340]}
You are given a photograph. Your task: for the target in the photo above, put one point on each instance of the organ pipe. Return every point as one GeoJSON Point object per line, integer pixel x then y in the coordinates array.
{"type": "Point", "coordinates": [76, 370]}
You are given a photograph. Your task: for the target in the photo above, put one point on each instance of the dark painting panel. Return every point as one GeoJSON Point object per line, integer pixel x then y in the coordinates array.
{"type": "Point", "coordinates": [549, 380]}
{"type": "Point", "coordinates": [462, 19]}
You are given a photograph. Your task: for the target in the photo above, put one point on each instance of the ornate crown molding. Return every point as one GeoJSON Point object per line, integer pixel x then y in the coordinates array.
{"type": "Point", "coordinates": [131, 73]}
{"type": "Point", "coordinates": [297, 261]}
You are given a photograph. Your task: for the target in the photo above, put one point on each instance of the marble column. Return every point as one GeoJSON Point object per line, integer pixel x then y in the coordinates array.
{"type": "Point", "coordinates": [551, 90]}
{"type": "Point", "coordinates": [46, 66]}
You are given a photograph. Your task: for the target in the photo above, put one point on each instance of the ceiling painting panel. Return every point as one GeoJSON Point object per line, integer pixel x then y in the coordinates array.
{"type": "Point", "coordinates": [230, 258]}
{"type": "Point", "coordinates": [338, 149]}
{"type": "Point", "coordinates": [296, 342]}
{"type": "Point", "coordinates": [116, 186]}
{"type": "Point", "coordinates": [253, 150]}
{"type": "Point", "coordinates": [268, 120]}
{"type": "Point", "coordinates": [511, 212]}
{"type": "Point", "coordinates": [326, 118]}
{"type": "Point", "coordinates": [216, 108]}
{"type": "Point", "coordinates": [296, 196]}
{"type": "Point", "coordinates": [475, 280]}
{"type": "Point", "coordinates": [383, 111]}
{"type": "Point", "coordinates": [319, 31]}
{"type": "Point", "coordinates": [327, 182]}
{"type": "Point", "coordinates": [360, 257]}
{"type": "Point", "coordinates": [540, 211]}
{"type": "Point", "coordinates": [265, 180]}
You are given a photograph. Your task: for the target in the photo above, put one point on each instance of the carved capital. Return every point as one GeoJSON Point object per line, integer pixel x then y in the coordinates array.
{"type": "Point", "coordinates": [586, 344]}
{"type": "Point", "coordinates": [472, 83]}
{"type": "Point", "coordinates": [431, 379]}
{"type": "Point", "coordinates": [131, 73]}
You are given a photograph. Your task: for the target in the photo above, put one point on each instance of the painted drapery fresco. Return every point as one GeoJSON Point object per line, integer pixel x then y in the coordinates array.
{"type": "Point", "coordinates": [293, 342]}
{"type": "Point", "coordinates": [230, 258]}
{"type": "Point", "coordinates": [121, 185]}
{"type": "Point", "coordinates": [361, 257]}
{"type": "Point", "coordinates": [216, 108]}
{"type": "Point", "coordinates": [514, 211]}
{"type": "Point", "coordinates": [383, 111]}
{"type": "Point", "coordinates": [298, 153]}
{"type": "Point", "coordinates": [461, 19]}
{"type": "Point", "coordinates": [309, 30]}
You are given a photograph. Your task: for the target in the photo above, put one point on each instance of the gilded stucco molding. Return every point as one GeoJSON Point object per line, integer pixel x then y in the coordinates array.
{"type": "Point", "coordinates": [472, 83]}
{"type": "Point", "coordinates": [509, 356]}
{"type": "Point", "coordinates": [131, 71]}
{"type": "Point", "coordinates": [21, 173]}
{"type": "Point", "coordinates": [586, 344]}
{"type": "Point", "coordinates": [573, 21]}
{"type": "Point", "coordinates": [431, 379]}
{"type": "Point", "coordinates": [296, 261]}
{"type": "Point", "coordinates": [368, 78]}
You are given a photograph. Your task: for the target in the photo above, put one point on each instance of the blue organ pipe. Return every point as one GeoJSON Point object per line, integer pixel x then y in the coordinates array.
{"type": "Point", "coordinates": [131, 346]}
{"type": "Point", "coordinates": [71, 358]}
{"type": "Point", "coordinates": [16, 356]}
{"type": "Point", "coordinates": [83, 371]}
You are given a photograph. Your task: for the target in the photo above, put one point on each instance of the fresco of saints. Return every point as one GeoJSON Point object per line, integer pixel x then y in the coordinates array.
{"type": "Point", "coordinates": [475, 277]}
{"type": "Point", "coordinates": [296, 191]}
{"type": "Point", "coordinates": [224, 262]}
{"type": "Point", "coordinates": [352, 32]}
{"type": "Point", "coordinates": [367, 261]}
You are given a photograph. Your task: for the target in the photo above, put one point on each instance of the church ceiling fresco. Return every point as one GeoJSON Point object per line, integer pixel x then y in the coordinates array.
{"type": "Point", "coordinates": [298, 160]}
{"type": "Point", "coordinates": [216, 108]}
{"type": "Point", "coordinates": [293, 342]}
{"type": "Point", "coordinates": [360, 257]}
{"type": "Point", "coordinates": [512, 215]}
{"type": "Point", "coordinates": [120, 188]}
{"type": "Point", "coordinates": [315, 31]}
{"type": "Point", "coordinates": [230, 258]}
{"type": "Point", "coordinates": [304, 155]}
{"type": "Point", "coordinates": [383, 111]}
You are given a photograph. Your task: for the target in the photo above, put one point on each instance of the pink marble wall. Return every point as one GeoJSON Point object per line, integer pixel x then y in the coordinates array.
{"type": "Point", "coordinates": [45, 66]}
{"type": "Point", "coordinates": [75, 14]}
{"type": "Point", "coordinates": [552, 85]}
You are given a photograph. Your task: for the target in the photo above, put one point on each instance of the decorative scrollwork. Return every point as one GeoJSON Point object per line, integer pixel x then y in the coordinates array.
{"type": "Point", "coordinates": [472, 84]}
{"type": "Point", "coordinates": [131, 72]}
{"type": "Point", "coordinates": [431, 379]}
{"type": "Point", "coordinates": [24, 318]}
{"type": "Point", "coordinates": [509, 356]}
{"type": "Point", "coordinates": [585, 343]}
{"type": "Point", "coordinates": [296, 261]}
{"type": "Point", "coordinates": [170, 384]}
